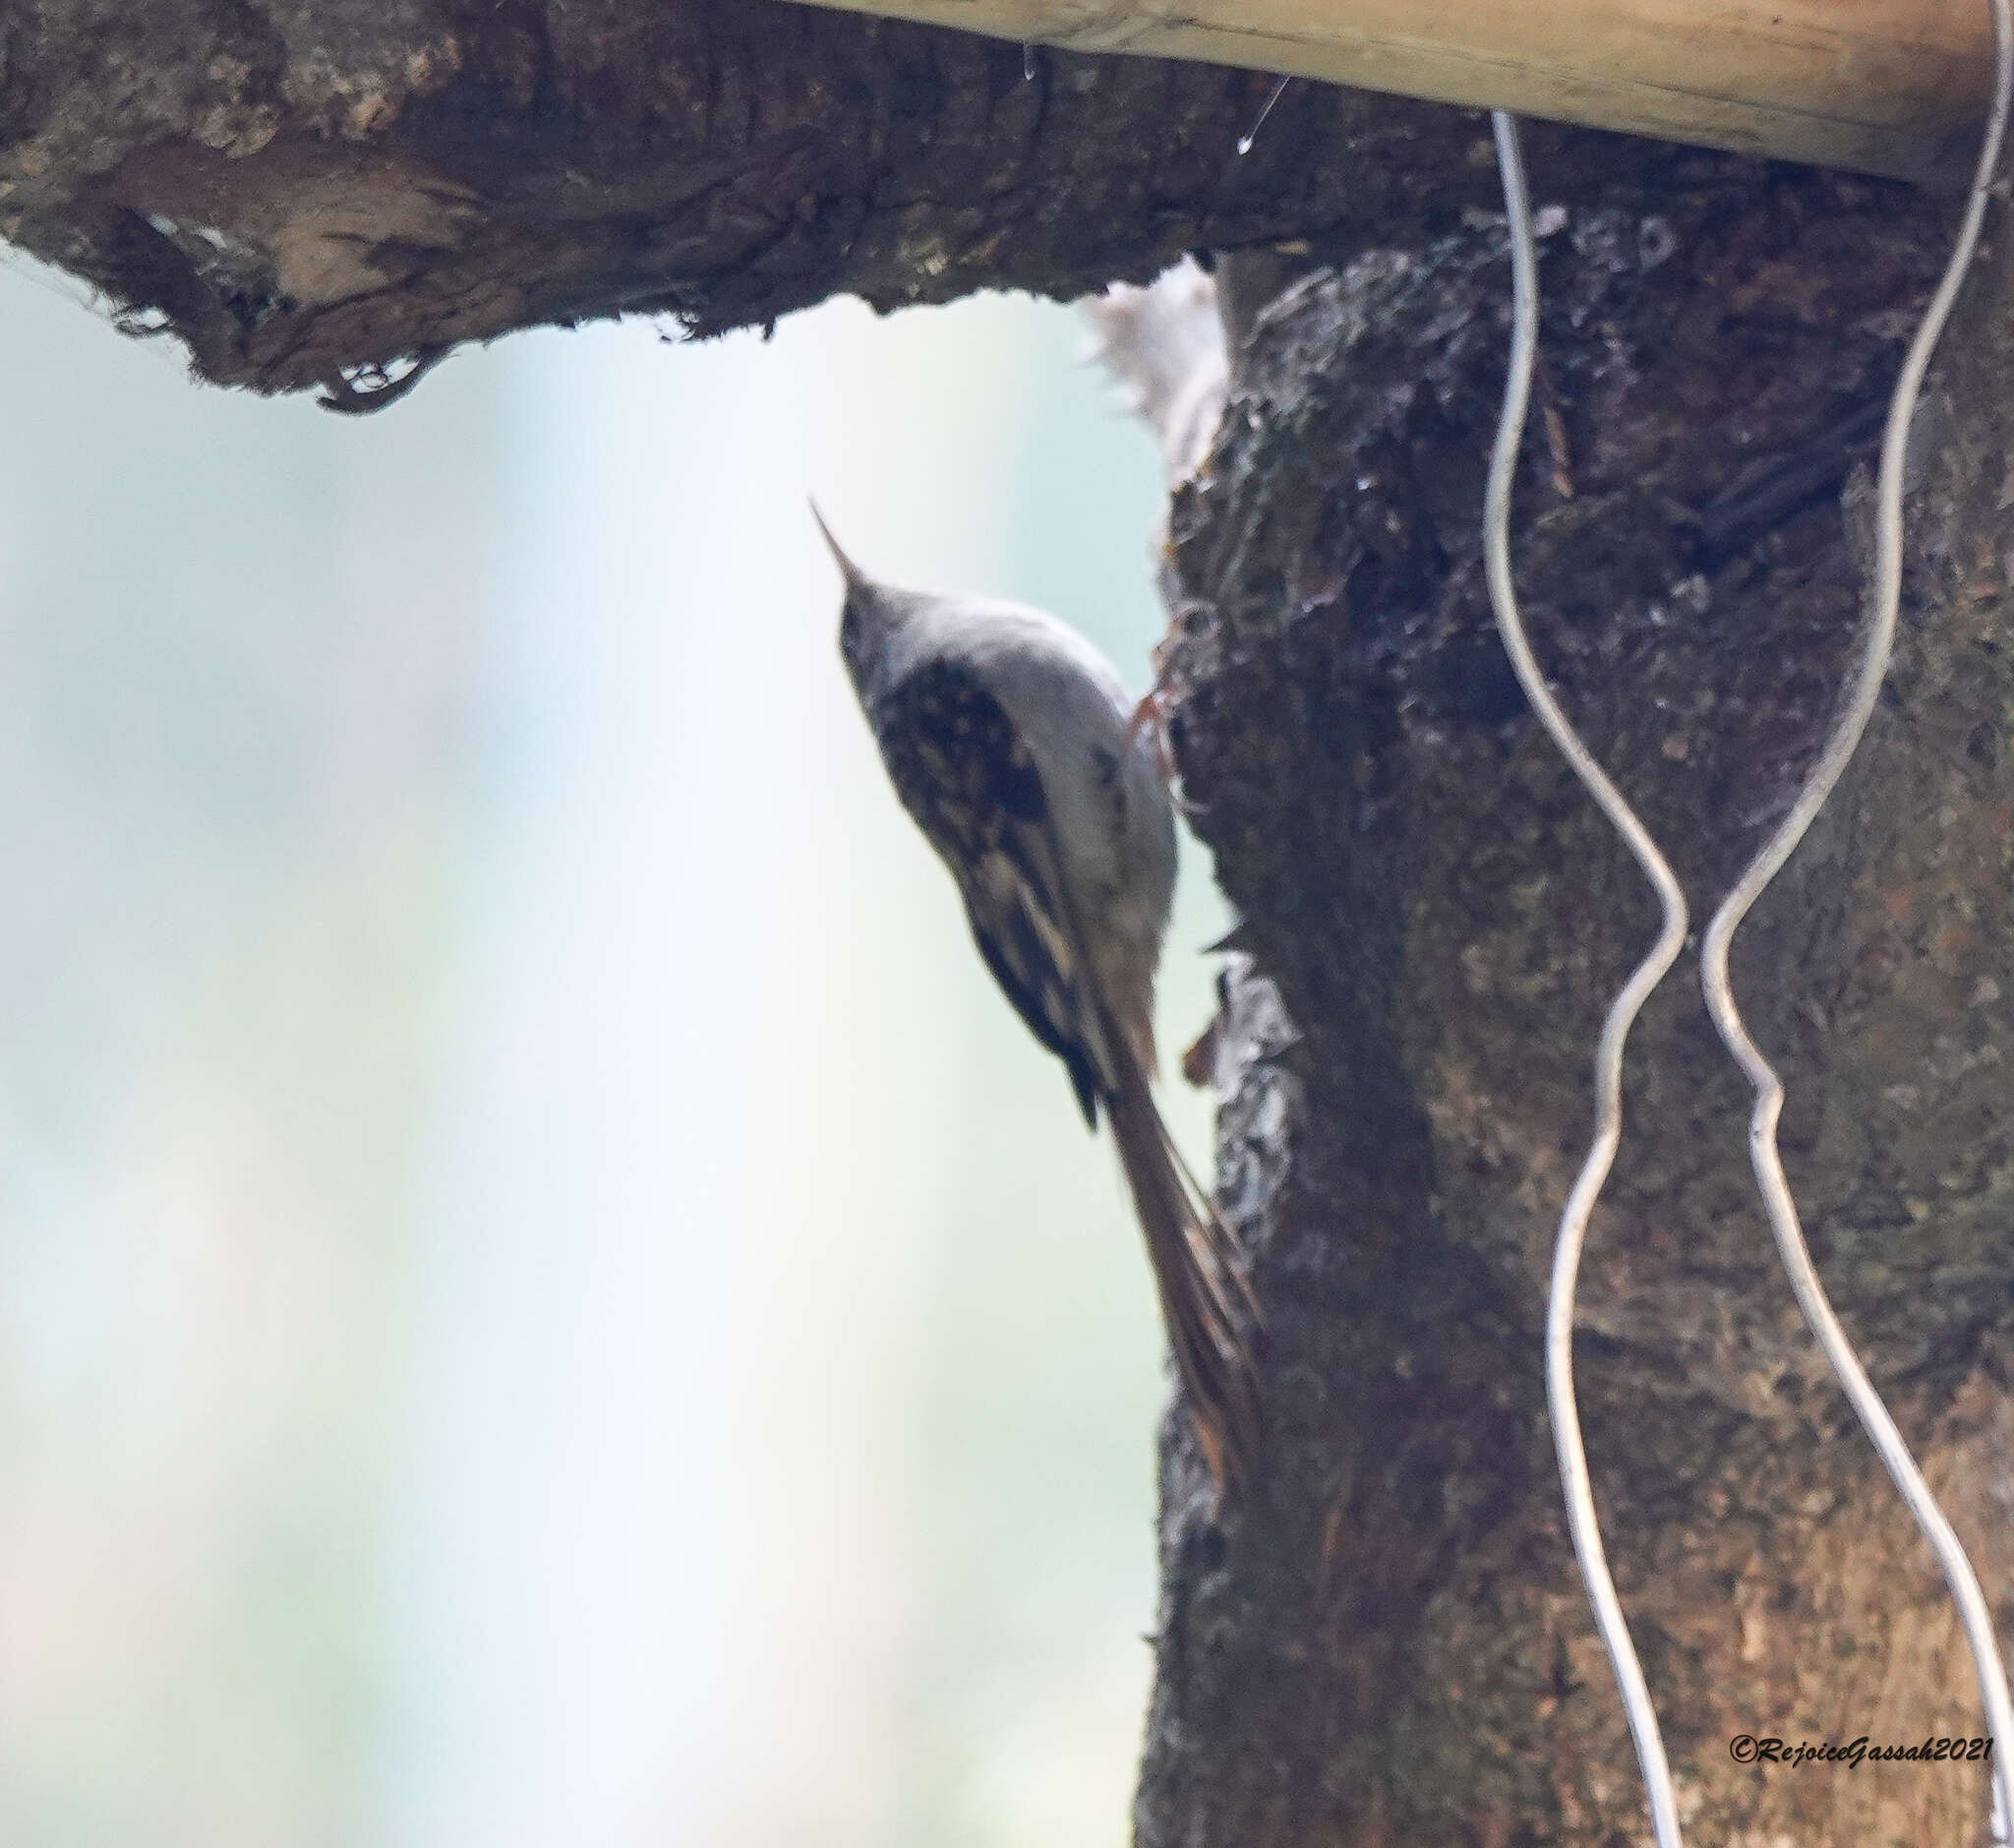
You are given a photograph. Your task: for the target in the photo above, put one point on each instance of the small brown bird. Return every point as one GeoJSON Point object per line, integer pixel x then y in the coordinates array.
{"type": "Point", "coordinates": [1008, 738]}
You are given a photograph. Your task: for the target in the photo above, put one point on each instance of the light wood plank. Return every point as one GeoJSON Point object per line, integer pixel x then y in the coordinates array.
{"type": "Point", "coordinates": [1895, 87]}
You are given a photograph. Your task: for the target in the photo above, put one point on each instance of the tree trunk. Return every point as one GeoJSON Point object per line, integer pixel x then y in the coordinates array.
{"type": "Point", "coordinates": [1385, 1641]}
{"type": "Point", "coordinates": [1390, 1642]}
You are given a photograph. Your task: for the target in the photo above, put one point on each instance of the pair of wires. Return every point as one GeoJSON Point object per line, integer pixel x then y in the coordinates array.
{"type": "Point", "coordinates": [1973, 1615]}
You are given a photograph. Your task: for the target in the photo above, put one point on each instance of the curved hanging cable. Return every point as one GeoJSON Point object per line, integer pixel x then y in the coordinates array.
{"type": "Point", "coordinates": [1622, 1016]}
{"type": "Point", "coordinates": [1720, 1000]}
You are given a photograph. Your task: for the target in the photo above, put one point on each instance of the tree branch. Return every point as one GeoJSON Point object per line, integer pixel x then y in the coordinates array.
{"type": "Point", "coordinates": [301, 190]}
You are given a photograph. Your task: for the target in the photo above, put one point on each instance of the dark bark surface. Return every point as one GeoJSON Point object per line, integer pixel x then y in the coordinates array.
{"type": "Point", "coordinates": [1386, 1642]}
{"type": "Point", "coordinates": [298, 189]}
{"type": "Point", "coordinates": [1390, 1642]}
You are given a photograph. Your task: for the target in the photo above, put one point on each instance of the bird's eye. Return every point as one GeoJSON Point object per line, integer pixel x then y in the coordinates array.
{"type": "Point", "coordinates": [849, 628]}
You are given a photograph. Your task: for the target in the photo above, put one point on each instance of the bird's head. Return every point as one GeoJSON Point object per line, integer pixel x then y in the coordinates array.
{"type": "Point", "coordinates": [870, 617]}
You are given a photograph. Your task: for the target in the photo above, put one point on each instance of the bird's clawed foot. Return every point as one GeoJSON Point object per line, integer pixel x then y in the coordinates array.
{"type": "Point", "coordinates": [1149, 720]}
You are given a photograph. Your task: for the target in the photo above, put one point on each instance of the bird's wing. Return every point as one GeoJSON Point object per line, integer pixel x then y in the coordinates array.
{"type": "Point", "coordinates": [966, 776]}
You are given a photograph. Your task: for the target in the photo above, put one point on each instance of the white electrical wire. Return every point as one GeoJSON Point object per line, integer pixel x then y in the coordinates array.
{"type": "Point", "coordinates": [1720, 1001]}
{"type": "Point", "coordinates": [1973, 1612]}
{"type": "Point", "coordinates": [1622, 1016]}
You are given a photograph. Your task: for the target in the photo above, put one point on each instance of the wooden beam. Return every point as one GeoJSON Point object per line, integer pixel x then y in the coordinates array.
{"type": "Point", "coordinates": [1894, 87]}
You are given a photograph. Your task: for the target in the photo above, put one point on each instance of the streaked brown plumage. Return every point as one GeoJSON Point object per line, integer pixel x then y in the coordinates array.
{"type": "Point", "coordinates": [1007, 738]}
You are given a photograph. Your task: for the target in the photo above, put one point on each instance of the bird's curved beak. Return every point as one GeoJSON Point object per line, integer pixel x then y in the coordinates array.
{"type": "Point", "coordinates": [850, 571]}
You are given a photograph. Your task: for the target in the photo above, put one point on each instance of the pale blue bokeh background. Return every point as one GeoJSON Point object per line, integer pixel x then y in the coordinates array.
{"type": "Point", "coordinates": [543, 1297]}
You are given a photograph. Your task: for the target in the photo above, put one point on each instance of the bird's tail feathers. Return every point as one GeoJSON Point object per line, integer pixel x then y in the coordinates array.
{"type": "Point", "coordinates": [1212, 1316]}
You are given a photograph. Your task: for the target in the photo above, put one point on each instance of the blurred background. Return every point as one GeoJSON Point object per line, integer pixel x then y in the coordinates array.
{"type": "Point", "coordinates": [544, 1298]}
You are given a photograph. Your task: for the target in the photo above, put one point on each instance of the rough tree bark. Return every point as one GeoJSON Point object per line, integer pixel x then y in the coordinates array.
{"type": "Point", "coordinates": [1390, 1643]}
{"type": "Point", "coordinates": [1386, 1642]}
